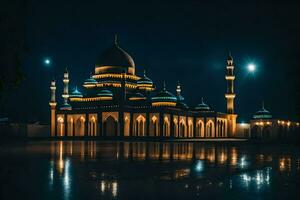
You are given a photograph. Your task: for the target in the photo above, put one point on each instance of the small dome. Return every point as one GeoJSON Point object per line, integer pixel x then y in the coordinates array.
{"type": "Point", "coordinates": [262, 114]}
{"type": "Point", "coordinates": [164, 96]}
{"type": "Point", "coordinates": [90, 81]}
{"type": "Point", "coordinates": [136, 96]}
{"type": "Point", "coordinates": [145, 80]}
{"type": "Point", "coordinates": [76, 93]}
{"type": "Point", "coordinates": [202, 106]}
{"type": "Point", "coordinates": [105, 93]}
{"type": "Point", "coordinates": [66, 106]}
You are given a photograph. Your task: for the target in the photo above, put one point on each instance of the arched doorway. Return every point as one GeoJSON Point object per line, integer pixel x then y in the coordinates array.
{"type": "Point", "coordinates": [60, 126]}
{"type": "Point", "coordinates": [210, 129]}
{"type": "Point", "coordinates": [70, 127]}
{"type": "Point", "coordinates": [266, 132]}
{"type": "Point", "coordinates": [175, 127]}
{"type": "Point", "coordinates": [200, 129]}
{"type": "Point", "coordinates": [126, 126]}
{"type": "Point", "coordinates": [166, 127]}
{"type": "Point", "coordinates": [79, 126]}
{"type": "Point", "coordinates": [255, 132]}
{"type": "Point", "coordinates": [110, 126]}
{"type": "Point", "coordinates": [92, 126]}
{"type": "Point", "coordinates": [154, 126]}
{"type": "Point", "coordinates": [139, 128]}
{"type": "Point", "coordinates": [182, 128]}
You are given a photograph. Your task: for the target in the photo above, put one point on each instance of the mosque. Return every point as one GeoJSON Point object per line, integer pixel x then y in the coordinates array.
{"type": "Point", "coordinates": [114, 101]}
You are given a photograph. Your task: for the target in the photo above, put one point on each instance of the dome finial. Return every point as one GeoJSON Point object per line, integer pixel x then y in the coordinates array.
{"type": "Point", "coordinates": [229, 56]}
{"type": "Point", "coordinates": [164, 86]}
{"type": "Point", "coordinates": [144, 73]}
{"type": "Point", "coordinates": [116, 39]}
{"type": "Point", "coordinates": [263, 105]}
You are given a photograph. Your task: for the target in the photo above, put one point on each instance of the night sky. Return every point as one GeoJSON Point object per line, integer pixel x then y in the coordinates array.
{"type": "Point", "coordinates": [186, 41]}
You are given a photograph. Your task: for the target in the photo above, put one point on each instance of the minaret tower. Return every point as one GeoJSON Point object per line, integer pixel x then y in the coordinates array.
{"type": "Point", "coordinates": [65, 94]}
{"type": "Point", "coordinates": [53, 104]}
{"type": "Point", "coordinates": [230, 95]}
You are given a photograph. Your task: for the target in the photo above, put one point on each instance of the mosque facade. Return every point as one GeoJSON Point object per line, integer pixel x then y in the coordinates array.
{"type": "Point", "coordinates": [115, 102]}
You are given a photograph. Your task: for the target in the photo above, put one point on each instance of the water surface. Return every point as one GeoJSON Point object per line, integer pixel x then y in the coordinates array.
{"type": "Point", "coordinates": [148, 170]}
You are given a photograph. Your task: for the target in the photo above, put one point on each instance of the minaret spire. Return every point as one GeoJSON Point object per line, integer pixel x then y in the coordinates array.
{"type": "Point", "coordinates": [164, 86]}
{"type": "Point", "coordinates": [263, 105]}
{"type": "Point", "coordinates": [116, 39]}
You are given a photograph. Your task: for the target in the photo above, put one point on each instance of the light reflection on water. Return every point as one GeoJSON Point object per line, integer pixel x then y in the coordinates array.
{"type": "Point", "coordinates": [122, 170]}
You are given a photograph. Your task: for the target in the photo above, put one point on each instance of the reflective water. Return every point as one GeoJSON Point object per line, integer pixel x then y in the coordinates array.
{"type": "Point", "coordinates": [148, 170]}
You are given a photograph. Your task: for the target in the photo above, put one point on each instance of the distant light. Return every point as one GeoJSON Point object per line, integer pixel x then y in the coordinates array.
{"type": "Point", "coordinates": [251, 67]}
{"type": "Point", "coordinates": [47, 61]}
{"type": "Point", "coordinates": [199, 166]}
{"type": "Point", "coordinates": [243, 124]}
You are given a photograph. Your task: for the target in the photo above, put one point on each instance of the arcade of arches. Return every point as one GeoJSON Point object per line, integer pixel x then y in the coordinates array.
{"type": "Point", "coordinates": [140, 125]}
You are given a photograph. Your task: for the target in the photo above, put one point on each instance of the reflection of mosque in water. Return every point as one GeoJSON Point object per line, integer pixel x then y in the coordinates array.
{"type": "Point", "coordinates": [159, 151]}
{"type": "Point", "coordinates": [193, 160]}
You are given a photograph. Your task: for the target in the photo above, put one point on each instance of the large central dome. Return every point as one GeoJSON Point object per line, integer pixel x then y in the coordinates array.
{"type": "Point", "coordinates": [115, 60]}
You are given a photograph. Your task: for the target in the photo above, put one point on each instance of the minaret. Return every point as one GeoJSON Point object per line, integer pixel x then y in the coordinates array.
{"type": "Point", "coordinates": [230, 95]}
{"type": "Point", "coordinates": [65, 94]}
{"type": "Point", "coordinates": [53, 104]}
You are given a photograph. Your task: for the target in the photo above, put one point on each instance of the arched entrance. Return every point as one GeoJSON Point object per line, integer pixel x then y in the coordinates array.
{"type": "Point", "coordinates": [210, 129]}
{"type": "Point", "coordinates": [154, 126]}
{"type": "Point", "coordinates": [200, 129]}
{"type": "Point", "coordinates": [166, 127]}
{"type": "Point", "coordinates": [110, 126]}
{"type": "Point", "coordinates": [182, 129]}
{"type": "Point", "coordinates": [139, 128]}
{"type": "Point", "coordinates": [266, 132]}
{"type": "Point", "coordinates": [255, 132]}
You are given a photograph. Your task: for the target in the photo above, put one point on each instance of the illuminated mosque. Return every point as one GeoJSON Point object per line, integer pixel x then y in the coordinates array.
{"type": "Point", "coordinates": [115, 101]}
